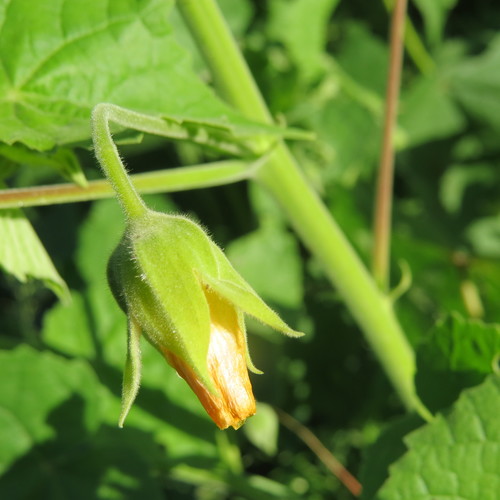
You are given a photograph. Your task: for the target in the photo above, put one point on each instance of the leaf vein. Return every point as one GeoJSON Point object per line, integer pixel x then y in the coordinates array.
{"type": "Point", "coordinates": [2, 61]}
{"type": "Point", "coordinates": [102, 28]}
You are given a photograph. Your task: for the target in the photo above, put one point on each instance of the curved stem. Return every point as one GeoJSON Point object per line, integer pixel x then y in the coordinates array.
{"type": "Point", "coordinates": [109, 158]}
{"type": "Point", "coordinates": [111, 164]}
{"type": "Point", "coordinates": [321, 451]}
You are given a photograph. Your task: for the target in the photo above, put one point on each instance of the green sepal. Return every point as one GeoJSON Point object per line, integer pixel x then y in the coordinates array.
{"type": "Point", "coordinates": [168, 299]}
{"type": "Point", "coordinates": [250, 365]}
{"type": "Point", "coordinates": [132, 371]}
{"type": "Point", "coordinates": [236, 290]}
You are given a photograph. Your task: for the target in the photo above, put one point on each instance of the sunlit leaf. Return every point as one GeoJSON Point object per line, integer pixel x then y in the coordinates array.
{"type": "Point", "coordinates": [458, 353]}
{"type": "Point", "coordinates": [262, 429]}
{"type": "Point", "coordinates": [91, 52]}
{"type": "Point", "coordinates": [301, 25]}
{"type": "Point", "coordinates": [51, 431]}
{"type": "Point", "coordinates": [435, 13]}
{"type": "Point", "coordinates": [476, 82]}
{"type": "Point", "coordinates": [24, 256]}
{"type": "Point", "coordinates": [456, 455]}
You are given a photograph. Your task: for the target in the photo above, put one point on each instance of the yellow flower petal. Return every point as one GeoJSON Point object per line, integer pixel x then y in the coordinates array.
{"type": "Point", "coordinates": [234, 401]}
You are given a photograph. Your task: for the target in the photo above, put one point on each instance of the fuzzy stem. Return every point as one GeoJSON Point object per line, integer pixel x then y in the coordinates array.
{"type": "Point", "coordinates": [160, 181]}
{"type": "Point", "coordinates": [111, 164]}
{"type": "Point", "coordinates": [109, 158]}
{"type": "Point", "coordinates": [281, 176]}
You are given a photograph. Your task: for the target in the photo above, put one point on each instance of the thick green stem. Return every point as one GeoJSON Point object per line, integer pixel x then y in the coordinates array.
{"type": "Point", "coordinates": [372, 310]}
{"type": "Point", "coordinates": [370, 307]}
{"type": "Point", "coordinates": [160, 181]}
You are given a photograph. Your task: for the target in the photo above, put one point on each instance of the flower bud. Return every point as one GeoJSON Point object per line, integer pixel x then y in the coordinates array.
{"type": "Point", "coordinates": [179, 290]}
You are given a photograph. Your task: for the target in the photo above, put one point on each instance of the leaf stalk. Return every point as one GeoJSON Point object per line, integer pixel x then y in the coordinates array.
{"type": "Point", "coordinates": [159, 181]}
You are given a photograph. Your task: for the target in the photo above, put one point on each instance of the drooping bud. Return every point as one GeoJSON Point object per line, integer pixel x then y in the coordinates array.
{"type": "Point", "coordinates": [178, 288]}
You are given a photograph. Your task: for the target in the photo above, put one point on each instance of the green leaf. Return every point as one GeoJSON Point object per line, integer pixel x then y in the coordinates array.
{"type": "Point", "coordinates": [429, 113]}
{"type": "Point", "coordinates": [269, 260]}
{"type": "Point", "coordinates": [484, 236]}
{"type": "Point", "coordinates": [64, 160]}
{"type": "Point", "coordinates": [456, 456]}
{"type": "Point", "coordinates": [435, 13]}
{"type": "Point", "coordinates": [51, 432]}
{"type": "Point", "coordinates": [90, 52]}
{"type": "Point", "coordinates": [458, 353]}
{"type": "Point", "coordinates": [265, 206]}
{"type": "Point", "coordinates": [475, 82]}
{"type": "Point", "coordinates": [301, 25]}
{"type": "Point", "coordinates": [351, 148]}
{"type": "Point", "coordinates": [380, 455]}
{"type": "Point", "coordinates": [23, 255]}
{"type": "Point", "coordinates": [262, 429]}
{"type": "Point", "coordinates": [433, 276]}
{"type": "Point", "coordinates": [364, 57]}
{"type": "Point", "coordinates": [70, 318]}
{"type": "Point", "coordinates": [458, 178]}
{"type": "Point", "coordinates": [38, 383]}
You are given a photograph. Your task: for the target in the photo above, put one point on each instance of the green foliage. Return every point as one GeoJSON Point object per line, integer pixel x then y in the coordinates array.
{"type": "Point", "coordinates": [262, 429]}
{"type": "Point", "coordinates": [388, 448]}
{"type": "Point", "coordinates": [270, 251]}
{"type": "Point", "coordinates": [476, 82]}
{"type": "Point", "coordinates": [456, 455]}
{"type": "Point", "coordinates": [456, 355]}
{"type": "Point", "coordinates": [435, 13]}
{"type": "Point", "coordinates": [23, 255]}
{"type": "Point", "coordinates": [64, 160]}
{"type": "Point", "coordinates": [301, 26]}
{"type": "Point", "coordinates": [53, 432]}
{"type": "Point", "coordinates": [428, 97]}
{"type": "Point", "coordinates": [63, 76]}
{"type": "Point", "coordinates": [322, 67]}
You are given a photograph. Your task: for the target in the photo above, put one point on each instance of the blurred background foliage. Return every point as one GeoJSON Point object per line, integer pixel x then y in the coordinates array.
{"type": "Point", "coordinates": [321, 65]}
